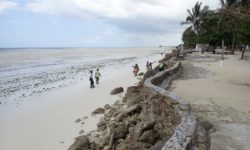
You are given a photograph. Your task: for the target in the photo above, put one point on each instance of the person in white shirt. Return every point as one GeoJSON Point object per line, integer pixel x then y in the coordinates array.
{"type": "Point", "coordinates": [97, 75]}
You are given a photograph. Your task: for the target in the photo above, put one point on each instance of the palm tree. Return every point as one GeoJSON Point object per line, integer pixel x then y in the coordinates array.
{"type": "Point", "coordinates": [232, 11]}
{"type": "Point", "coordinates": [195, 17]}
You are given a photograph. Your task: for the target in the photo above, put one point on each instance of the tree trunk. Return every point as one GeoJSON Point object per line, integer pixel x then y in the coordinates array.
{"type": "Point", "coordinates": [222, 51]}
{"type": "Point", "coordinates": [232, 50]}
{"type": "Point", "coordinates": [202, 48]}
{"type": "Point", "coordinates": [243, 52]}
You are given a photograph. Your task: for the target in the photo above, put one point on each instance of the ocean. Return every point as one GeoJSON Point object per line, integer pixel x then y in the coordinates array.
{"type": "Point", "coordinates": [33, 71]}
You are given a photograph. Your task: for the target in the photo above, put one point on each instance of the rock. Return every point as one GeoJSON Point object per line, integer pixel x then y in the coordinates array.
{"type": "Point", "coordinates": [158, 145]}
{"type": "Point", "coordinates": [107, 106]}
{"type": "Point", "coordinates": [107, 147]}
{"type": "Point", "coordinates": [141, 74]}
{"type": "Point", "coordinates": [149, 136]}
{"type": "Point", "coordinates": [78, 120]}
{"type": "Point", "coordinates": [116, 90]}
{"type": "Point", "coordinates": [120, 131]}
{"type": "Point", "coordinates": [117, 104]}
{"type": "Point", "coordinates": [102, 125]}
{"type": "Point", "coordinates": [134, 95]}
{"type": "Point", "coordinates": [202, 147]}
{"type": "Point", "coordinates": [94, 146]}
{"type": "Point", "coordinates": [206, 125]}
{"type": "Point", "coordinates": [100, 140]}
{"type": "Point", "coordinates": [148, 74]}
{"type": "Point", "coordinates": [85, 117]}
{"type": "Point", "coordinates": [81, 131]}
{"type": "Point", "coordinates": [98, 111]}
{"type": "Point", "coordinates": [129, 111]}
{"type": "Point", "coordinates": [81, 143]}
{"type": "Point", "coordinates": [147, 126]}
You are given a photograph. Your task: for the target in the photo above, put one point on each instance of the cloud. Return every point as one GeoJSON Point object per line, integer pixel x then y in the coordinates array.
{"type": "Point", "coordinates": [155, 20]}
{"type": "Point", "coordinates": [117, 9]}
{"type": "Point", "coordinates": [140, 16]}
{"type": "Point", "coordinates": [5, 5]}
{"type": "Point", "coordinates": [108, 32]}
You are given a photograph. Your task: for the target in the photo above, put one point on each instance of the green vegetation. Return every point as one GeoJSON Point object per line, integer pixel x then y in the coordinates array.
{"type": "Point", "coordinates": [231, 23]}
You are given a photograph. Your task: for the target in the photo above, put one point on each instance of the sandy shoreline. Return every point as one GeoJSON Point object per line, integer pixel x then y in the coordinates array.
{"type": "Point", "coordinates": [51, 117]}
{"type": "Point", "coordinates": [53, 122]}
{"type": "Point", "coordinates": [219, 94]}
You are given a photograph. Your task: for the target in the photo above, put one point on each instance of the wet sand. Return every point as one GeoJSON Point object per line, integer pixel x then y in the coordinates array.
{"type": "Point", "coordinates": [49, 122]}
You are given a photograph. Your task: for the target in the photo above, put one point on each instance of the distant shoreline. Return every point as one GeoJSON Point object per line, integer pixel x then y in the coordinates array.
{"type": "Point", "coordinates": [6, 48]}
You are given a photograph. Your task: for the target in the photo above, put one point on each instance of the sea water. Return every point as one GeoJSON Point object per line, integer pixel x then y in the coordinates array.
{"type": "Point", "coordinates": [33, 71]}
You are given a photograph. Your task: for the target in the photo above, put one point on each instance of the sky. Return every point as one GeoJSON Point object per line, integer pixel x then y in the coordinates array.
{"type": "Point", "coordinates": [94, 23]}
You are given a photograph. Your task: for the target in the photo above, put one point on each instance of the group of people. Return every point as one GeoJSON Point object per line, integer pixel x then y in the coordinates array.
{"type": "Point", "coordinates": [135, 72]}
{"type": "Point", "coordinates": [149, 65]}
{"type": "Point", "coordinates": [136, 67]}
{"type": "Point", "coordinates": [97, 78]}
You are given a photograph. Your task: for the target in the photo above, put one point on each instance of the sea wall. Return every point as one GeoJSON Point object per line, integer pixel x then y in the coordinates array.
{"type": "Point", "coordinates": [190, 134]}
{"type": "Point", "coordinates": [149, 117]}
{"type": "Point", "coordinates": [184, 132]}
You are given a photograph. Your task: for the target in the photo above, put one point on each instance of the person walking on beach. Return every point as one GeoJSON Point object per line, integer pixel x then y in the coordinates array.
{"type": "Point", "coordinates": [148, 65]}
{"type": "Point", "coordinates": [97, 76]}
{"type": "Point", "coordinates": [136, 69]}
{"type": "Point", "coordinates": [178, 50]}
{"type": "Point", "coordinates": [91, 80]}
{"type": "Point", "coordinates": [161, 66]}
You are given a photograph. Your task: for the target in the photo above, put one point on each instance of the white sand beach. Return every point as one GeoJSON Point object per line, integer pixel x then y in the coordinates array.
{"type": "Point", "coordinates": [48, 121]}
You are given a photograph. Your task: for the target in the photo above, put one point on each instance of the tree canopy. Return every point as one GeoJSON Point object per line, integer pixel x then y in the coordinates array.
{"type": "Point", "coordinates": [230, 22]}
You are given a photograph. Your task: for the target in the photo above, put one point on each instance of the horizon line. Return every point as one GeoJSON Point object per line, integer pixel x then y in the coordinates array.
{"type": "Point", "coordinates": [83, 47]}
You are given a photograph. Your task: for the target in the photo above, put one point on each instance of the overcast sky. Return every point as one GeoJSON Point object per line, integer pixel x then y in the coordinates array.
{"type": "Point", "coordinates": [93, 23]}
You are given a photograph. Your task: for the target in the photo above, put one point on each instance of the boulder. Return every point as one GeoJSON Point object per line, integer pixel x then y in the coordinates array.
{"type": "Point", "coordinates": [81, 132]}
{"type": "Point", "coordinates": [78, 120]}
{"type": "Point", "coordinates": [98, 111]}
{"type": "Point", "coordinates": [147, 126]}
{"type": "Point", "coordinates": [107, 147]}
{"type": "Point", "coordinates": [107, 106]}
{"type": "Point", "coordinates": [81, 143]}
{"type": "Point", "coordinates": [94, 146]}
{"type": "Point", "coordinates": [134, 95]}
{"type": "Point", "coordinates": [120, 131]}
{"type": "Point", "coordinates": [158, 145]}
{"type": "Point", "coordinates": [141, 74]}
{"type": "Point", "coordinates": [129, 112]}
{"type": "Point", "coordinates": [147, 75]}
{"type": "Point", "coordinates": [207, 125]}
{"type": "Point", "coordinates": [100, 140]}
{"type": "Point", "coordinates": [102, 125]}
{"type": "Point", "coordinates": [149, 136]}
{"type": "Point", "coordinates": [116, 90]}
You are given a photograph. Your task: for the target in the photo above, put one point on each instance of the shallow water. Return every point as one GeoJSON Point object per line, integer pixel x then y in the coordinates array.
{"type": "Point", "coordinates": [27, 72]}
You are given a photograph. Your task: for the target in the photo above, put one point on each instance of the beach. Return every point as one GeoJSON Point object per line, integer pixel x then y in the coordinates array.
{"type": "Point", "coordinates": [219, 93]}
{"type": "Point", "coordinates": [48, 120]}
